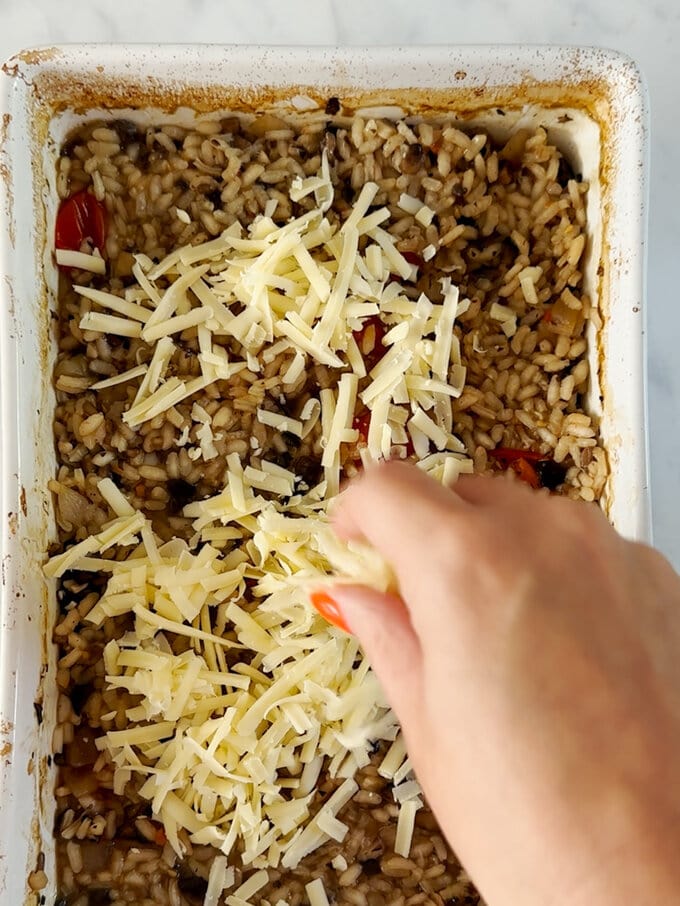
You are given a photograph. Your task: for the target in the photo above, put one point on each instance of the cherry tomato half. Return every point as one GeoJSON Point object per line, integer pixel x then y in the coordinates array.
{"type": "Point", "coordinates": [526, 472]}
{"type": "Point", "coordinates": [534, 468]}
{"type": "Point", "coordinates": [413, 258]}
{"type": "Point", "coordinates": [362, 423]}
{"type": "Point", "coordinates": [81, 217]}
{"type": "Point", "coordinates": [507, 455]}
{"type": "Point", "coordinates": [370, 341]}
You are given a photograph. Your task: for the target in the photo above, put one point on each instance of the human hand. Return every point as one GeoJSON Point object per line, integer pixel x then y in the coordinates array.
{"type": "Point", "coordinates": [533, 659]}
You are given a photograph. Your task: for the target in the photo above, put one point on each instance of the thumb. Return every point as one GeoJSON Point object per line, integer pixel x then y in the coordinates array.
{"type": "Point", "coordinates": [381, 623]}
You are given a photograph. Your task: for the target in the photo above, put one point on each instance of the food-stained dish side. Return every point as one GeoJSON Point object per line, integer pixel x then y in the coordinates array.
{"type": "Point", "coordinates": [250, 310]}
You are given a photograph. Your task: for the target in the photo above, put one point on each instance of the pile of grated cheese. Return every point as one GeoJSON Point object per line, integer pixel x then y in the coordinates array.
{"type": "Point", "coordinates": [230, 746]}
{"type": "Point", "coordinates": [305, 289]}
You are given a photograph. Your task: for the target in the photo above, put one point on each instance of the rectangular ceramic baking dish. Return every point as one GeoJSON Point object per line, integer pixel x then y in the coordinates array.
{"type": "Point", "coordinates": [592, 102]}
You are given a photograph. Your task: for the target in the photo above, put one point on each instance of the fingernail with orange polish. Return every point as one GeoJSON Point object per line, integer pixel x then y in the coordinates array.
{"type": "Point", "coordinates": [329, 609]}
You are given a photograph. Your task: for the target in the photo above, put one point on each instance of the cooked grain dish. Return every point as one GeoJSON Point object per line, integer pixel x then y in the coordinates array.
{"type": "Point", "coordinates": [219, 372]}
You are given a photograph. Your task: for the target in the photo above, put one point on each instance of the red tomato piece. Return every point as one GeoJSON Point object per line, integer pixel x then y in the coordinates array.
{"type": "Point", "coordinates": [534, 468]}
{"type": "Point", "coordinates": [369, 340]}
{"type": "Point", "coordinates": [506, 456]}
{"type": "Point", "coordinates": [522, 462]}
{"type": "Point", "coordinates": [81, 217]}
{"type": "Point", "coordinates": [526, 472]}
{"type": "Point", "coordinates": [413, 258]}
{"type": "Point", "coordinates": [361, 424]}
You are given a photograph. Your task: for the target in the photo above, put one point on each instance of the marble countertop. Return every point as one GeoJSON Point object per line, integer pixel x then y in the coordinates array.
{"type": "Point", "coordinates": [648, 30]}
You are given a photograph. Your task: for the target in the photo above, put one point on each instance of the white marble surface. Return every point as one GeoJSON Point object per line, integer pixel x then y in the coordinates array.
{"type": "Point", "coordinates": [648, 30]}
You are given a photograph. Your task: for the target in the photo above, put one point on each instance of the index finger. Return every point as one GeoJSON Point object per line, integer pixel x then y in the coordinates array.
{"type": "Point", "coordinates": [404, 514]}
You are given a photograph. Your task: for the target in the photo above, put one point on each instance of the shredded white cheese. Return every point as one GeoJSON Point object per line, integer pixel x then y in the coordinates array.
{"type": "Point", "coordinates": [218, 880]}
{"type": "Point", "coordinates": [249, 888]}
{"type": "Point", "coordinates": [316, 892]}
{"type": "Point", "coordinates": [120, 378]}
{"type": "Point", "coordinates": [405, 825]}
{"type": "Point", "coordinates": [94, 263]}
{"type": "Point", "coordinates": [506, 316]}
{"type": "Point", "coordinates": [280, 422]}
{"type": "Point", "coordinates": [409, 203]}
{"type": "Point", "coordinates": [293, 705]}
{"type": "Point", "coordinates": [528, 278]}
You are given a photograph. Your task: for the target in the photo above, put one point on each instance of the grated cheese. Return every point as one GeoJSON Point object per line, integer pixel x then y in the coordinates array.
{"type": "Point", "coordinates": [115, 499]}
{"type": "Point", "coordinates": [316, 892]}
{"type": "Point", "coordinates": [101, 323]}
{"type": "Point", "coordinates": [121, 378]}
{"type": "Point", "coordinates": [425, 215]}
{"type": "Point", "coordinates": [407, 791]}
{"type": "Point", "coordinates": [528, 278]}
{"type": "Point", "coordinates": [342, 416]}
{"type": "Point", "coordinates": [93, 263]}
{"type": "Point", "coordinates": [393, 759]}
{"type": "Point", "coordinates": [115, 303]}
{"type": "Point", "coordinates": [331, 826]}
{"type": "Point", "coordinates": [506, 316]}
{"type": "Point", "coordinates": [405, 824]}
{"type": "Point", "coordinates": [249, 888]}
{"type": "Point", "coordinates": [409, 203]}
{"type": "Point", "coordinates": [280, 422]}
{"type": "Point", "coordinates": [218, 880]}
{"type": "Point", "coordinates": [304, 287]}
{"type": "Point", "coordinates": [166, 588]}
{"type": "Point", "coordinates": [294, 370]}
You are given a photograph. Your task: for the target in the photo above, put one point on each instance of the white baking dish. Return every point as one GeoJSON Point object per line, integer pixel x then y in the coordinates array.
{"type": "Point", "coordinates": [594, 105]}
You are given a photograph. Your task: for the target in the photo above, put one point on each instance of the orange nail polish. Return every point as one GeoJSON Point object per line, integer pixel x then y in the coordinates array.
{"type": "Point", "coordinates": [329, 610]}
